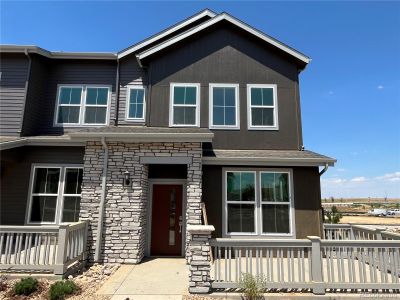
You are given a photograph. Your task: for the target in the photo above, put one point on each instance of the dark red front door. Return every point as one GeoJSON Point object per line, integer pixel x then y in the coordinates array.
{"type": "Point", "coordinates": [166, 233]}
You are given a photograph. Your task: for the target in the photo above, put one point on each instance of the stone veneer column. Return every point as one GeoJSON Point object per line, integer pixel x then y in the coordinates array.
{"type": "Point", "coordinates": [200, 262]}
{"type": "Point", "coordinates": [124, 226]}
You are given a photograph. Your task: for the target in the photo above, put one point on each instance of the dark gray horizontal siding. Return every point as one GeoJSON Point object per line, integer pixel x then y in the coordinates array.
{"type": "Point", "coordinates": [130, 74]}
{"type": "Point", "coordinates": [14, 72]}
{"type": "Point", "coordinates": [15, 173]}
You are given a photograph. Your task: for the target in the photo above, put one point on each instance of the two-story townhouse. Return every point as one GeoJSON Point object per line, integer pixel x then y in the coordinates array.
{"type": "Point", "coordinates": [206, 111]}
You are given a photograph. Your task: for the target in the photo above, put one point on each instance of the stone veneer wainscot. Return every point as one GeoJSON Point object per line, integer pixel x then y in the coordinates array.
{"type": "Point", "coordinates": [125, 217]}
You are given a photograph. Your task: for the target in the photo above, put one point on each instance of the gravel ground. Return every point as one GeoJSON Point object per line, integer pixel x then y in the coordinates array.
{"type": "Point", "coordinates": [88, 282]}
{"type": "Point", "coordinates": [359, 220]}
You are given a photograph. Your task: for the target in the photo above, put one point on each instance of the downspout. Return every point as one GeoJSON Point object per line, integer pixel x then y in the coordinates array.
{"type": "Point", "coordinates": [322, 213]}
{"type": "Point", "coordinates": [117, 95]}
{"type": "Point", "coordinates": [324, 169]}
{"type": "Point", "coordinates": [28, 75]}
{"type": "Point", "coordinates": [102, 202]}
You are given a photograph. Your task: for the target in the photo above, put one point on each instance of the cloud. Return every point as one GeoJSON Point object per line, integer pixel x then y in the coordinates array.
{"type": "Point", "coordinates": [386, 185]}
{"type": "Point", "coordinates": [390, 177]}
{"type": "Point", "coordinates": [380, 87]}
{"type": "Point", "coordinates": [359, 179]}
{"type": "Point", "coordinates": [341, 170]}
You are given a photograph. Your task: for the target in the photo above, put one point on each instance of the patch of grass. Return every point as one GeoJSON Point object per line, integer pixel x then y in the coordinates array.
{"type": "Point", "coordinates": [60, 289]}
{"type": "Point", "coordinates": [253, 286]}
{"type": "Point", "coordinates": [26, 286]}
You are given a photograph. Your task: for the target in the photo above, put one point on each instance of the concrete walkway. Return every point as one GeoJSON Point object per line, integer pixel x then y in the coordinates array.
{"type": "Point", "coordinates": [158, 278]}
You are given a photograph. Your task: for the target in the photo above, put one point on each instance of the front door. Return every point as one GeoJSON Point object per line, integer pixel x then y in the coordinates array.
{"type": "Point", "coordinates": [166, 224]}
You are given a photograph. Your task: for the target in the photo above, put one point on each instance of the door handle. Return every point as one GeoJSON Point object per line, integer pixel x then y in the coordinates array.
{"type": "Point", "coordinates": [180, 224]}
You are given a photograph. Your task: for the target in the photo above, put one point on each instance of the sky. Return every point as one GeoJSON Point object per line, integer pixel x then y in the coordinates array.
{"type": "Point", "coordinates": [350, 92]}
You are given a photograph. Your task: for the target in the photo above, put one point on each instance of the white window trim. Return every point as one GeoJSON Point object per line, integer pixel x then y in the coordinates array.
{"type": "Point", "coordinates": [129, 88]}
{"type": "Point", "coordinates": [172, 105]}
{"type": "Point", "coordinates": [60, 194]}
{"type": "Point", "coordinates": [240, 202]}
{"type": "Point", "coordinates": [82, 106]}
{"type": "Point", "coordinates": [290, 204]}
{"type": "Point", "coordinates": [211, 101]}
{"type": "Point", "coordinates": [275, 107]}
{"type": "Point", "coordinates": [258, 211]}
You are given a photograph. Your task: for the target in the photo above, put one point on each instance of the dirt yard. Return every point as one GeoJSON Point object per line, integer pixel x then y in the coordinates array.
{"type": "Point", "coordinates": [370, 220]}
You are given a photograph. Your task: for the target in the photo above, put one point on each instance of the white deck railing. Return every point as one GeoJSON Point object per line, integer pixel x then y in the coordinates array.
{"type": "Point", "coordinates": [42, 248]}
{"type": "Point", "coordinates": [311, 263]}
{"type": "Point", "coordinates": [357, 232]}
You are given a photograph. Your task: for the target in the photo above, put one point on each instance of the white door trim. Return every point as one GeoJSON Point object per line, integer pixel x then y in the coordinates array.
{"type": "Point", "coordinates": [168, 181]}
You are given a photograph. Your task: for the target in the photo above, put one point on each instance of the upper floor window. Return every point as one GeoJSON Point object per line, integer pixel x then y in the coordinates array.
{"type": "Point", "coordinates": [185, 104]}
{"type": "Point", "coordinates": [262, 109]}
{"type": "Point", "coordinates": [224, 106]}
{"type": "Point", "coordinates": [136, 106]}
{"type": "Point", "coordinates": [55, 194]}
{"type": "Point", "coordinates": [82, 105]}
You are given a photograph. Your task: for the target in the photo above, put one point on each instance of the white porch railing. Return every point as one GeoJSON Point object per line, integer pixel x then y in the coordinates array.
{"type": "Point", "coordinates": [311, 263]}
{"type": "Point", "coordinates": [357, 232]}
{"type": "Point", "coordinates": [42, 248]}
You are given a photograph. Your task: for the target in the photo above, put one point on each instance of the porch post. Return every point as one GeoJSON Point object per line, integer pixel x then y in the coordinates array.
{"type": "Point", "coordinates": [60, 268]}
{"type": "Point", "coordinates": [199, 258]}
{"type": "Point", "coordinates": [316, 266]}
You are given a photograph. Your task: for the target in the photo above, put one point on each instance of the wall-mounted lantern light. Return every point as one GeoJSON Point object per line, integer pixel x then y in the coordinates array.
{"type": "Point", "coordinates": [127, 179]}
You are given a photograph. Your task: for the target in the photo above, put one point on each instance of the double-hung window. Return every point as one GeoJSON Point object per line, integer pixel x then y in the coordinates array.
{"type": "Point", "coordinates": [262, 109]}
{"type": "Point", "coordinates": [135, 105]}
{"type": "Point", "coordinates": [224, 106]}
{"type": "Point", "coordinates": [184, 104]}
{"type": "Point", "coordinates": [258, 203]}
{"type": "Point", "coordinates": [241, 202]}
{"type": "Point", "coordinates": [82, 105]}
{"type": "Point", "coordinates": [55, 194]}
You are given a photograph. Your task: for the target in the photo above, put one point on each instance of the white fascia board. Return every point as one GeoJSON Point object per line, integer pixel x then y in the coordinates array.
{"type": "Point", "coordinates": [40, 141]}
{"type": "Point", "coordinates": [12, 144]}
{"type": "Point", "coordinates": [262, 161]}
{"type": "Point", "coordinates": [146, 137]}
{"type": "Point", "coordinates": [234, 21]}
{"type": "Point", "coordinates": [156, 37]}
{"type": "Point", "coordinates": [59, 55]}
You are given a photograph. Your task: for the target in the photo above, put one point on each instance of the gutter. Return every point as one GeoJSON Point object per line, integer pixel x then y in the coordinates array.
{"type": "Point", "coordinates": [324, 169]}
{"type": "Point", "coordinates": [102, 202]}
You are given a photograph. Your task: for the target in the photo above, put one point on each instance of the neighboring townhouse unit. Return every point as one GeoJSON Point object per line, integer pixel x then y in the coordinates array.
{"type": "Point", "coordinates": [206, 111]}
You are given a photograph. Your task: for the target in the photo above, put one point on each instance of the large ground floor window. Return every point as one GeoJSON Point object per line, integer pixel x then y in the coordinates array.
{"type": "Point", "coordinates": [258, 202]}
{"type": "Point", "coordinates": [55, 194]}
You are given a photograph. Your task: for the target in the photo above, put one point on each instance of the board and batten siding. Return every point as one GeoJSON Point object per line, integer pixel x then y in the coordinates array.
{"type": "Point", "coordinates": [16, 167]}
{"type": "Point", "coordinates": [306, 193]}
{"type": "Point", "coordinates": [14, 75]}
{"type": "Point", "coordinates": [225, 55]}
{"type": "Point", "coordinates": [130, 74]}
{"type": "Point", "coordinates": [97, 72]}
{"type": "Point", "coordinates": [35, 98]}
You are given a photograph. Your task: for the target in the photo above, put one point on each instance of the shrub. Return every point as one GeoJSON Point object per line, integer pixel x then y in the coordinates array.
{"type": "Point", "coordinates": [26, 286]}
{"type": "Point", "coordinates": [253, 286]}
{"type": "Point", "coordinates": [59, 289]}
{"type": "Point", "coordinates": [333, 216]}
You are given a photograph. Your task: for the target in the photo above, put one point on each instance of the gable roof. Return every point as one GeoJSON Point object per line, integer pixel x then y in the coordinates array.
{"type": "Point", "coordinates": [219, 18]}
{"type": "Point", "coordinates": [206, 13]}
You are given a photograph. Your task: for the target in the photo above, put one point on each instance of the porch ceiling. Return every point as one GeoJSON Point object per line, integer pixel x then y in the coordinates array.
{"type": "Point", "coordinates": [266, 157]}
